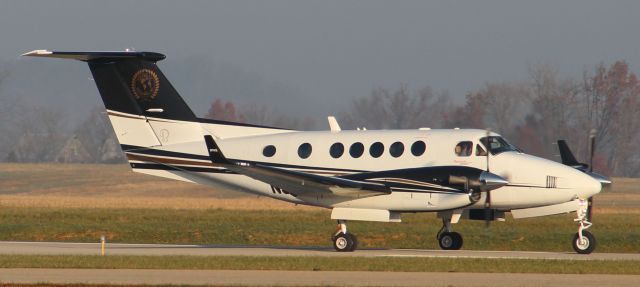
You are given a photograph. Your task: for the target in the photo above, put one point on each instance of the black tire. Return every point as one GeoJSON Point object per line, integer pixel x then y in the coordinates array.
{"type": "Point", "coordinates": [450, 241]}
{"type": "Point", "coordinates": [587, 246]}
{"type": "Point", "coordinates": [355, 242]}
{"type": "Point", "coordinates": [343, 242]}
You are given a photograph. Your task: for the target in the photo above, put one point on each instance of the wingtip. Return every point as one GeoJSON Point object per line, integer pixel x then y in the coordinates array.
{"type": "Point", "coordinates": [36, 53]}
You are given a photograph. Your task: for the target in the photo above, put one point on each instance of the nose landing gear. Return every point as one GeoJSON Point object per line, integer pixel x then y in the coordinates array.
{"type": "Point", "coordinates": [583, 241]}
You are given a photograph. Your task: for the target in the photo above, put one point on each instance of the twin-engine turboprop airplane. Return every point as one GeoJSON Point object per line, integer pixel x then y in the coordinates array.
{"type": "Point", "coordinates": [369, 175]}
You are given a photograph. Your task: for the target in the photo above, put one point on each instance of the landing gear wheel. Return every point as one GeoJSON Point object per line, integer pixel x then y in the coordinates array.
{"type": "Point", "coordinates": [355, 242]}
{"type": "Point", "coordinates": [345, 242]}
{"type": "Point", "coordinates": [450, 241]}
{"type": "Point", "coordinates": [586, 245]}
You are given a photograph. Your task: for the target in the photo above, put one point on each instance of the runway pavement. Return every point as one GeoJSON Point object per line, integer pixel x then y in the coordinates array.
{"type": "Point", "coordinates": [295, 278]}
{"type": "Point", "coordinates": [58, 248]}
{"type": "Point", "coordinates": [308, 278]}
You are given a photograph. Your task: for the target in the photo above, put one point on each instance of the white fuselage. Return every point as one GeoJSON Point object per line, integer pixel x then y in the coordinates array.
{"type": "Point", "coordinates": [533, 181]}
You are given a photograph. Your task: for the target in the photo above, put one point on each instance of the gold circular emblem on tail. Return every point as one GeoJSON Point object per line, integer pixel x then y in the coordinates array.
{"type": "Point", "coordinates": [145, 85]}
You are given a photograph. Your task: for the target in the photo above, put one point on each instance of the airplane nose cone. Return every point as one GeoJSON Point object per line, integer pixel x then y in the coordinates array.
{"type": "Point", "coordinates": [491, 181]}
{"type": "Point", "coordinates": [592, 185]}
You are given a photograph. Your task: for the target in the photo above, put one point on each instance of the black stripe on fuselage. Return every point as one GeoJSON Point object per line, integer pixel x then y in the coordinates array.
{"type": "Point", "coordinates": [272, 164]}
{"type": "Point", "coordinates": [422, 190]}
{"type": "Point", "coordinates": [309, 169]}
{"type": "Point", "coordinates": [533, 186]}
{"type": "Point", "coordinates": [150, 151]}
{"type": "Point", "coordinates": [418, 188]}
{"type": "Point", "coordinates": [180, 168]}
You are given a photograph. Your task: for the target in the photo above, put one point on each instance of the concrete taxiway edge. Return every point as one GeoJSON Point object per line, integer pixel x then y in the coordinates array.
{"type": "Point", "coordinates": [306, 278]}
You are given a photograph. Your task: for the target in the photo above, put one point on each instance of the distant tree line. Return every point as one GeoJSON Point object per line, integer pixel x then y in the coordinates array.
{"type": "Point", "coordinates": [532, 113]}
{"type": "Point", "coordinates": [39, 134]}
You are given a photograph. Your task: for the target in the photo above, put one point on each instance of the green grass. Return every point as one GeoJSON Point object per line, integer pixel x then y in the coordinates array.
{"type": "Point", "coordinates": [323, 264]}
{"type": "Point", "coordinates": [615, 232]}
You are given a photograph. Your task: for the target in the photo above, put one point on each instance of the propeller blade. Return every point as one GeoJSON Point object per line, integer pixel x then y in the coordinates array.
{"type": "Point", "coordinates": [487, 210]}
{"type": "Point", "coordinates": [592, 148]}
{"type": "Point", "coordinates": [487, 147]}
{"type": "Point", "coordinates": [487, 202]}
{"type": "Point", "coordinates": [590, 209]}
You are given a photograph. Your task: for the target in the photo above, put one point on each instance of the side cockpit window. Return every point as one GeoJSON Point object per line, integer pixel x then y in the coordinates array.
{"type": "Point", "coordinates": [464, 148]}
{"type": "Point", "coordinates": [497, 145]}
{"type": "Point", "coordinates": [480, 151]}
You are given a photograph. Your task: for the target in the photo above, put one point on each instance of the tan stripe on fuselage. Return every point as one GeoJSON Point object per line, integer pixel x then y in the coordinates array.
{"type": "Point", "coordinates": [168, 160]}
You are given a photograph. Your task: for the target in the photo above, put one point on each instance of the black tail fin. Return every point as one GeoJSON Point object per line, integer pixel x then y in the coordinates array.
{"type": "Point", "coordinates": [130, 82]}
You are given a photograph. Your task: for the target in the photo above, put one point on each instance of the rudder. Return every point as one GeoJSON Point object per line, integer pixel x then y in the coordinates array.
{"type": "Point", "coordinates": [137, 86]}
{"type": "Point", "coordinates": [143, 107]}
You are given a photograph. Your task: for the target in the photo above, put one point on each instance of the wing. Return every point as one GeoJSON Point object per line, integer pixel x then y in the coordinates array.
{"type": "Point", "coordinates": [295, 182]}
{"type": "Point", "coordinates": [306, 184]}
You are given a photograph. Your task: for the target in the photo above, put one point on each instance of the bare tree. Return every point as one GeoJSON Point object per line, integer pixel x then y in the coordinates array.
{"type": "Point", "coordinates": [612, 99]}
{"type": "Point", "coordinates": [224, 111]}
{"type": "Point", "coordinates": [40, 135]}
{"type": "Point", "coordinates": [400, 109]}
{"type": "Point", "coordinates": [497, 106]}
{"type": "Point", "coordinates": [554, 113]}
{"type": "Point", "coordinates": [256, 114]}
{"type": "Point", "coordinates": [96, 136]}
{"type": "Point", "coordinates": [263, 115]}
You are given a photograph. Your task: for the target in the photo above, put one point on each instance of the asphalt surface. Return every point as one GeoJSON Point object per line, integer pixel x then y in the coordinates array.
{"type": "Point", "coordinates": [57, 248]}
{"type": "Point", "coordinates": [296, 278]}
{"type": "Point", "coordinates": [307, 278]}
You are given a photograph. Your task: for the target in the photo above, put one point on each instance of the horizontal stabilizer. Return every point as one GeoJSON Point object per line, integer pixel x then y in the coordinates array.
{"type": "Point", "coordinates": [97, 56]}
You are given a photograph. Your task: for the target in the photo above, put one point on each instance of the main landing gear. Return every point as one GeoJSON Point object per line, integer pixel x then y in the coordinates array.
{"type": "Point", "coordinates": [583, 242]}
{"type": "Point", "coordinates": [343, 241]}
{"type": "Point", "coordinates": [447, 239]}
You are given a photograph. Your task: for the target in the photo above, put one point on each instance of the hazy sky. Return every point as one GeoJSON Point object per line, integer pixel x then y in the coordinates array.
{"type": "Point", "coordinates": [323, 53]}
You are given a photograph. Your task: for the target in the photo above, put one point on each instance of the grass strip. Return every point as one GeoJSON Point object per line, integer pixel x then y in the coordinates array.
{"type": "Point", "coordinates": [614, 232]}
{"type": "Point", "coordinates": [309, 263]}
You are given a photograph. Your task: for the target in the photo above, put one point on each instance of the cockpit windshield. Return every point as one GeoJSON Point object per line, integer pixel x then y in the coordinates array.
{"type": "Point", "coordinates": [497, 145]}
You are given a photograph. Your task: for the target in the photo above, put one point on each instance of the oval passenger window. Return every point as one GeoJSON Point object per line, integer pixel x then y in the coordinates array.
{"type": "Point", "coordinates": [269, 151]}
{"type": "Point", "coordinates": [418, 148]}
{"type": "Point", "coordinates": [336, 150]}
{"type": "Point", "coordinates": [356, 150]}
{"type": "Point", "coordinates": [396, 149]}
{"type": "Point", "coordinates": [304, 150]}
{"type": "Point", "coordinates": [376, 149]}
